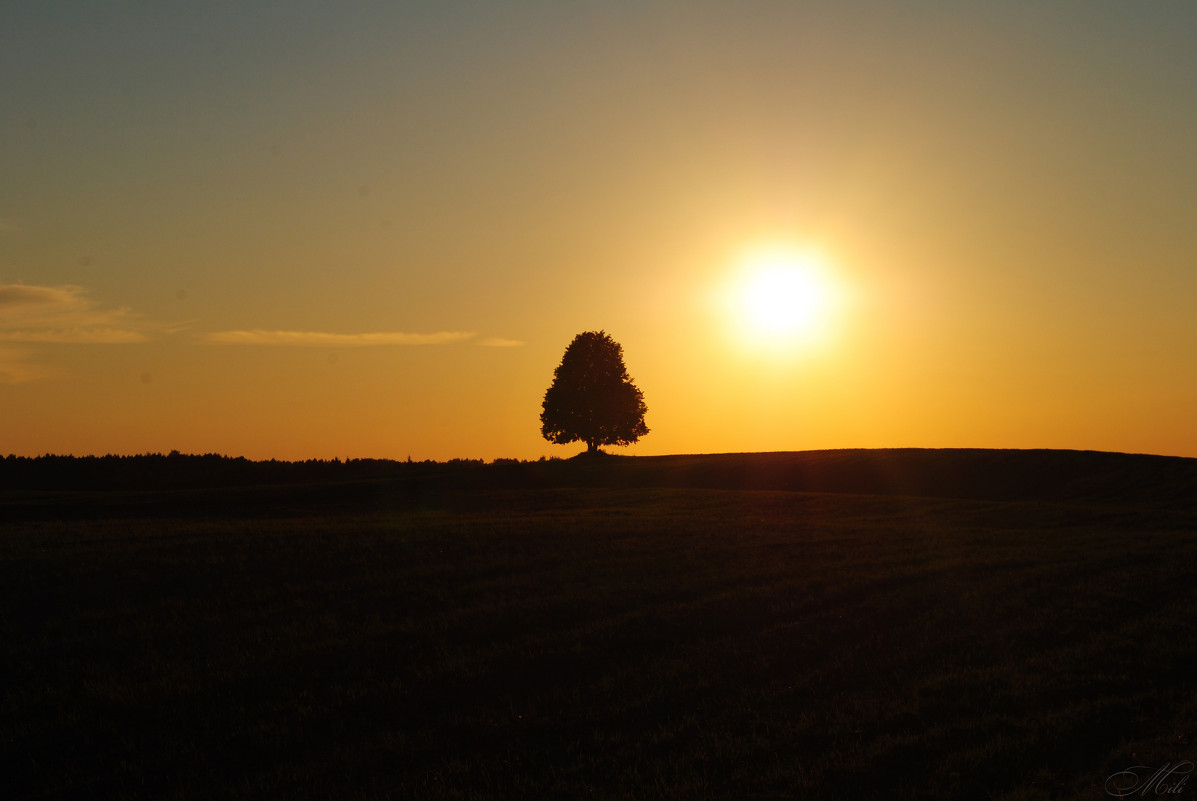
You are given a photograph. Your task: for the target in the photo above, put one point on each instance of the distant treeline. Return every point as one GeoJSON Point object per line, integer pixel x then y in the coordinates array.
{"type": "Point", "coordinates": [179, 470]}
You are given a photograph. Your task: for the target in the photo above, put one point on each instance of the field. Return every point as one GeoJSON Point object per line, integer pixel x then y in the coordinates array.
{"type": "Point", "coordinates": [922, 624]}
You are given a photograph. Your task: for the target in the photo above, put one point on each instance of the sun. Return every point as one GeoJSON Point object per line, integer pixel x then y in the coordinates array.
{"type": "Point", "coordinates": [782, 298]}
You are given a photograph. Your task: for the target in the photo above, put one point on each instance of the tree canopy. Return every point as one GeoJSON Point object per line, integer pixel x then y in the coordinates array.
{"type": "Point", "coordinates": [592, 399]}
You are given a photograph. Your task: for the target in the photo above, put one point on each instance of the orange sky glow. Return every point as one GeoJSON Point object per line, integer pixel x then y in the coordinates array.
{"type": "Point", "coordinates": [371, 229]}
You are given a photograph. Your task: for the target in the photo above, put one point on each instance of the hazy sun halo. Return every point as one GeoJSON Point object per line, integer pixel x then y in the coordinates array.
{"type": "Point", "coordinates": [783, 297]}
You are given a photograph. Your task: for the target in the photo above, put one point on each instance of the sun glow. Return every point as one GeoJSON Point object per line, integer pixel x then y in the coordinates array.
{"type": "Point", "coordinates": [783, 298]}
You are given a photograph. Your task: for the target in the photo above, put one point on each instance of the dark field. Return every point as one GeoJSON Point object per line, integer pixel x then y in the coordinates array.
{"type": "Point", "coordinates": [847, 625]}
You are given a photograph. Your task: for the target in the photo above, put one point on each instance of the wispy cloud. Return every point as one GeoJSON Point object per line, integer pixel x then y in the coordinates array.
{"type": "Point", "coordinates": [326, 339]}
{"type": "Point", "coordinates": [27, 299]}
{"type": "Point", "coordinates": [76, 336]}
{"type": "Point", "coordinates": [499, 342]}
{"type": "Point", "coordinates": [16, 368]}
{"type": "Point", "coordinates": [63, 314]}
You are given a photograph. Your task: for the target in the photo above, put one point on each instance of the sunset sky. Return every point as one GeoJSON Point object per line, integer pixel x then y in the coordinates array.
{"type": "Point", "coordinates": [370, 229]}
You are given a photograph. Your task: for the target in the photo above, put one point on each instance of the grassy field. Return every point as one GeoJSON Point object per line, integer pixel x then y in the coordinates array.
{"type": "Point", "coordinates": [604, 634]}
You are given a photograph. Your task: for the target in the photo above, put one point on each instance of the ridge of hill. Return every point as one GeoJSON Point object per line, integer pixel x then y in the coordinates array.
{"type": "Point", "coordinates": [978, 474]}
{"type": "Point", "coordinates": [217, 484]}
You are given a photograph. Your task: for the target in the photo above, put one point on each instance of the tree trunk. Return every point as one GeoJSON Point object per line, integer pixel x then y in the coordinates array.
{"type": "Point", "coordinates": [592, 446]}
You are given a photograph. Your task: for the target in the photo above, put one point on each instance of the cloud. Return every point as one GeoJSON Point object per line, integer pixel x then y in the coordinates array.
{"type": "Point", "coordinates": [25, 297]}
{"type": "Point", "coordinates": [325, 339]}
{"type": "Point", "coordinates": [63, 314]}
{"type": "Point", "coordinates": [15, 367]}
{"type": "Point", "coordinates": [76, 336]}
{"type": "Point", "coordinates": [499, 342]}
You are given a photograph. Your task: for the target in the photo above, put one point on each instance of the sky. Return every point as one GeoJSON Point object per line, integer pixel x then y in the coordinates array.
{"type": "Point", "coordinates": [370, 229]}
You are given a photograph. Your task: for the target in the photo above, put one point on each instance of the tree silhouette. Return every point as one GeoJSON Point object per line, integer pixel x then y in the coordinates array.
{"type": "Point", "coordinates": [592, 399]}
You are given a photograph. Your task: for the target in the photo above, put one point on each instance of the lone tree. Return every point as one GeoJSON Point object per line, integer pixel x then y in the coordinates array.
{"type": "Point", "coordinates": [592, 399]}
